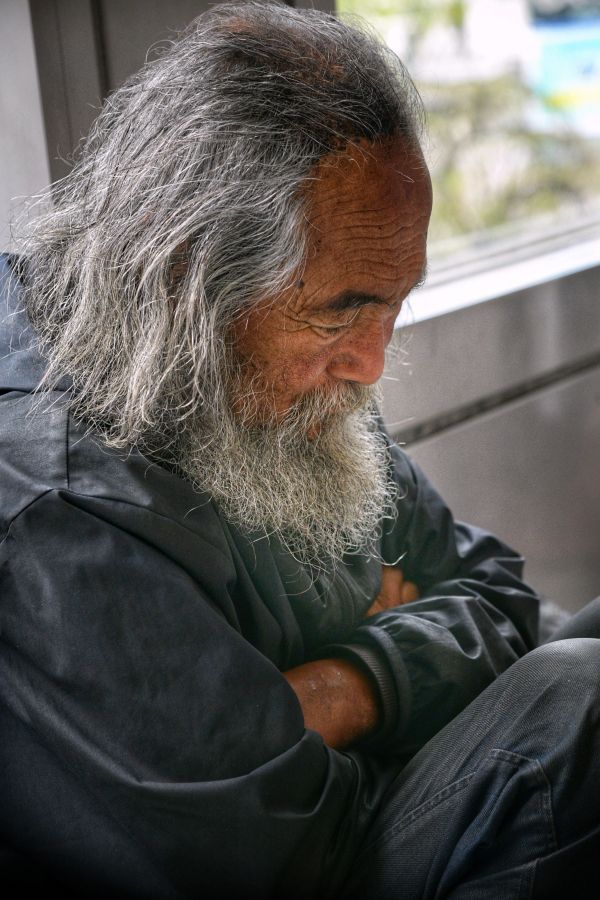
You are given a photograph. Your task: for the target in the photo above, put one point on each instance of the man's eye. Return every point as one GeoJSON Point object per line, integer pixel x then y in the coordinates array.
{"type": "Point", "coordinates": [330, 331]}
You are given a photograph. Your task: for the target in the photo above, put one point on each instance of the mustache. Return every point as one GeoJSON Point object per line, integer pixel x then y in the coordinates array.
{"type": "Point", "coordinates": [253, 403]}
{"type": "Point", "coordinates": [327, 403]}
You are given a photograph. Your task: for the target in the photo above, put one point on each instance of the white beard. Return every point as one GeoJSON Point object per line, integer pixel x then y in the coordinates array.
{"type": "Point", "coordinates": [323, 496]}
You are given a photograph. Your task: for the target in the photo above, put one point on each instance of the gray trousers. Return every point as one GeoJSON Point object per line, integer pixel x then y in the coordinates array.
{"type": "Point", "coordinates": [504, 802]}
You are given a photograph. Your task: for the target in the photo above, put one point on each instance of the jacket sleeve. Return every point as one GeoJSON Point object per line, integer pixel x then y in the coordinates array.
{"type": "Point", "coordinates": [474, 618]}
{"type": "Point", "coordinates": [149, 749]}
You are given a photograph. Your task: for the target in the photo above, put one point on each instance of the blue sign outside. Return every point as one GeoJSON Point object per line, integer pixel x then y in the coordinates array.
{"type": "Point", "coordinates": [567, 74]}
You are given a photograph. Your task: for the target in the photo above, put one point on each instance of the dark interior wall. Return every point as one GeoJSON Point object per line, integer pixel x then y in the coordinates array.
{"type": "Point", "coordinates": [86, 48]}
{"type": "Point", "coordinates": [130, 28]}
{"type": "Point", "coordinates": [71, 75]}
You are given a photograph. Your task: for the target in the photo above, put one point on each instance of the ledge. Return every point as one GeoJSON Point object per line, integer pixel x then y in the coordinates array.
{"type": "Point", "coordinates": [486, 274]}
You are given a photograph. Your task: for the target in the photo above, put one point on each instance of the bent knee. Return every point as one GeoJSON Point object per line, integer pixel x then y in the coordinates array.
{"type": "Point", "coordinates": [571, 665]}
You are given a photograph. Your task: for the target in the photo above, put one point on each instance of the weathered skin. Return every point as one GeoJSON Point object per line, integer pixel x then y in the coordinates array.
{"type": "Point", "coordinates": [368, 212]}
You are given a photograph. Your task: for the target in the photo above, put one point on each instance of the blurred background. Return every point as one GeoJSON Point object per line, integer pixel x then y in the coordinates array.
{"type": "Point", "coordinates": [493, 383]}
{"type": "Point", "coordinates": [512, 90]}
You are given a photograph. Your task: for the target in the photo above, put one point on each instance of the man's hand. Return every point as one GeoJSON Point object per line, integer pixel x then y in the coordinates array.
{"type": "Point", "coordinates": [394, 591]}
{"type": "Point", "coordinates": [338, 700]}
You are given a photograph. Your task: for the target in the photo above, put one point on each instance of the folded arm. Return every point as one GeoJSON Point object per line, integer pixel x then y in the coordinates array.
{"type": "Point", "coordinates": [431, 657]}
{"type": "Point", "coordinates": [339, 699]}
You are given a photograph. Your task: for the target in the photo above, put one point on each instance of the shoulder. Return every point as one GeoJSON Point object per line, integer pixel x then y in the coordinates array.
{"type": "Point", "coordinates": [46, 455]}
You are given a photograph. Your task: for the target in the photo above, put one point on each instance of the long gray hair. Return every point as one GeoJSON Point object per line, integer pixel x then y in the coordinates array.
{"type": "Point", "coordinates": [187, 204]}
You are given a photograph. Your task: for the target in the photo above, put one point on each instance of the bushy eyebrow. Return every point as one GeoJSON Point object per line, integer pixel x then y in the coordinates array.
{"type": "Point", "coordinates": [351, 300]}
{"type": "Point", "coordinates": [356, 299]}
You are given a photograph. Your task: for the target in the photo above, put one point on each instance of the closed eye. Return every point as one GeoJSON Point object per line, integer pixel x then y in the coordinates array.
{"type": "Point", "coordinates": [336, 328]}
{"type": "Point", "coordinates": [330, 331]}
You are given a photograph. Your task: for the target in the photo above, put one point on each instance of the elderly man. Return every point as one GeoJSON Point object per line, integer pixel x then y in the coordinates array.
{"type": "Point", "coordinates": [213, 683]}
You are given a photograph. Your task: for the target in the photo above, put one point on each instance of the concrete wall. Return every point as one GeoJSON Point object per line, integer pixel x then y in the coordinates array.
{"type": "Point", "coordinates": [24, 166]}
{"type": "Point", "coordinates": [500, 405]}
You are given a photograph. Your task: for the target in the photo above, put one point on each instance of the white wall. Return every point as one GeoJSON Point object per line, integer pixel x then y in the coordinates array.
{"type": "Point", "coordinates": [23, 157]}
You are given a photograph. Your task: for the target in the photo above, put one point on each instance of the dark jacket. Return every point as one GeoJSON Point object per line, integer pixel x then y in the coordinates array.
{"type": "Point", "coordinates": [150, 745]}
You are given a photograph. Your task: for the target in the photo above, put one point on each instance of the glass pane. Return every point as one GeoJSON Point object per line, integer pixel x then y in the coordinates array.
{"type": "Point", "coordinates": [512, 90]}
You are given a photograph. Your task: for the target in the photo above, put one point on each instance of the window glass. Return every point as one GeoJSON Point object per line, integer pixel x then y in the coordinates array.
{"type": "Point", "coordinates": [512, 90]}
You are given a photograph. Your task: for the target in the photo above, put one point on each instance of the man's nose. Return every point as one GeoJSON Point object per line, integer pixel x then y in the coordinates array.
{"type": "Point", "coordinates": [361, 358]}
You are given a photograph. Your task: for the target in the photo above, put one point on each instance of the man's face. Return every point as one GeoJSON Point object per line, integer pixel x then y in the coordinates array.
{"type": "Point", "coordinates": [368, 215]}
{"type": "Point", "coordinates": [297, 454]}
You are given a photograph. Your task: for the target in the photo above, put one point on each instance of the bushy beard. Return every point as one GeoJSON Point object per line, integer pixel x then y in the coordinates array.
{"type": "Point", "coordinates": [317, 479]}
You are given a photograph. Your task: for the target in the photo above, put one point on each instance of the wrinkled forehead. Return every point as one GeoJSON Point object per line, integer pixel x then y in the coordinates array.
{"type": "Point", "coordinates": [367, 213]}
{"type": "Point", "coordinates": [367, 179]}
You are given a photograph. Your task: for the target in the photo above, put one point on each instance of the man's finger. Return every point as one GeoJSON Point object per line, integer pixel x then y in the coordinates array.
{"type": "Point", "coordinates": [392, 580]}
{"type": "Point", "coordinates": [409, 592]}
{"type": "Point", "coordinates": [394, 591]}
